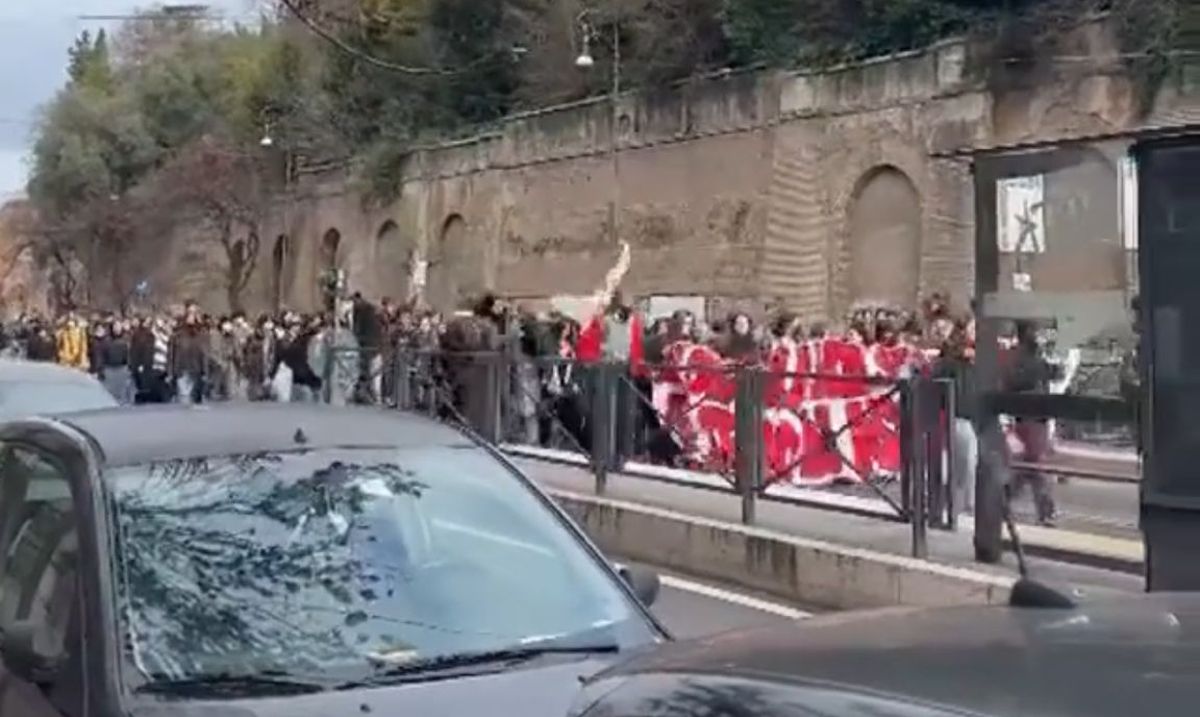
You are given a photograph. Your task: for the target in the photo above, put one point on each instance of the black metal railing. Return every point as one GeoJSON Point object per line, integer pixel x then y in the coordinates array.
{"type": "Point", "coordinates": [729, 422]}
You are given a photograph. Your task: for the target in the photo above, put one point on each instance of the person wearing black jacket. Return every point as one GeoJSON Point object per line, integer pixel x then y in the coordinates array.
{"type": "Point", "coordinates": [955, 364]}
{"type": "Point", "coordinates": [368, 332]}
{"type": "Point", "coordinates": [293, 353]}
{"type": "Point", "coordinates": [40, 345]}
{"type": "Point", "coordinates": [113, 362]}
{"type": "Point", "coordinates": [188, 359]}
{"type": "Point", "coordinates": [141, 359]}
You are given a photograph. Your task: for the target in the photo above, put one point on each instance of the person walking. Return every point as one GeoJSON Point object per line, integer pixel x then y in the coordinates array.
{"type": "Point", "coordinates": [72, 343]}
{"type": "Point", "coordinates": [955, 364]}
{"type": "Point", "coordinates": [1031, 373]}
{"type": "Point", "coordinates": [305, 383]}
{"type": "Point", "coordinates": [40, 346]}
{"type": "Point", "coordinates": [188, 359]}
{"type": "Point", "coordinates": [113, 362]}
{"type": "Point", "coordinates": [368, 327]}
{"type": "Point", "coordinates": [141, 358]}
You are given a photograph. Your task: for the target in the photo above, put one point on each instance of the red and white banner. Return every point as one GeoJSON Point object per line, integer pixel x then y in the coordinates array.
{"type": "Point", "coordinates": [824, 418]}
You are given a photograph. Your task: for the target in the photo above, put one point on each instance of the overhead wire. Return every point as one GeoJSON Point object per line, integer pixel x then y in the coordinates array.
{"type": "Point", "coordinates": [355, 52]}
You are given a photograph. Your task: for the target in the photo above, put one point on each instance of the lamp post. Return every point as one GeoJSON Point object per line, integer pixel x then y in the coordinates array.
{"type": "Point", "coordinates": [586, 61]}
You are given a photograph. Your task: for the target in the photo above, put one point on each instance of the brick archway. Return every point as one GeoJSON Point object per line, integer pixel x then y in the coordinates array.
{"type": "Point", "coordinates": [849, 178]}
{"type": "Point", "coordinates": [884, 228]}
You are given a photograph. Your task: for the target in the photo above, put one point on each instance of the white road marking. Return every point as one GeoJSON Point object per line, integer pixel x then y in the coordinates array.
{"type": "Point", "coordinates": [735, 598]}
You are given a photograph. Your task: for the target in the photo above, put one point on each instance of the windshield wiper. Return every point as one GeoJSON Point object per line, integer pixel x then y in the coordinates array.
{"type": "Point", "coordinates": [231, 685]}
{"type": "Point", "coordinates": [470, 663]}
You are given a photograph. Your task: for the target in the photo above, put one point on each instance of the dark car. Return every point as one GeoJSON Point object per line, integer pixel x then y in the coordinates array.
{"type": "Point", "coordinates": [1131, 656]}
{"type": "Point", "coordinates": [292, 561]}
{"type": "Point", "coordinates": [33, 388]}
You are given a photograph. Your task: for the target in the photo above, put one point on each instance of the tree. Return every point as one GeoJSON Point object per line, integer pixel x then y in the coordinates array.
{"type": "Point", "coordinates": [221, 186]}
{"type": "Point", "coordinates": [121, 129]}
{"type": "Point", "coordinates": [88, 61]}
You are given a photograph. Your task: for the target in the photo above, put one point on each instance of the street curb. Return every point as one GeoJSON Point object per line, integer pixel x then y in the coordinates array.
{"type": "Point", "coordinates": [799, 570]}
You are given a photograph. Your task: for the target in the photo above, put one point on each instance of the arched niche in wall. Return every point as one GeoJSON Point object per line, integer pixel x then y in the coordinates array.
{"type": "Point", "coordinates": [331, 245]}
{"type": "Point", "coordinates": [885, 238]}
{"type": "Point", "coordinates": [455, 267]}
{"type": "Point", "coordinates": [393, 262]}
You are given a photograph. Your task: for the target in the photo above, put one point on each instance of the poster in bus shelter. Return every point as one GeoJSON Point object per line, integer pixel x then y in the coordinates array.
{"type": "Point", "coordinates": [1021, 219]}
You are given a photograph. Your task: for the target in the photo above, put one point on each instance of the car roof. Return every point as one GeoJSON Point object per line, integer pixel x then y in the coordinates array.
{"type": "Point", "coordinates": [1113, 656]}
{"type": "Point", "coordinates": [12, 370]}
{"type": "Point", "coordinates": [128, 436]}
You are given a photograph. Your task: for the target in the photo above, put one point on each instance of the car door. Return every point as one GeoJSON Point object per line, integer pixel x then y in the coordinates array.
{"type": "Point", "coordinates": [39, 587]}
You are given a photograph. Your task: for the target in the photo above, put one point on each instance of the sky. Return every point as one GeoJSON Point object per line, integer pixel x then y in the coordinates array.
{"type": "Point", "coordinates": [34, 37]}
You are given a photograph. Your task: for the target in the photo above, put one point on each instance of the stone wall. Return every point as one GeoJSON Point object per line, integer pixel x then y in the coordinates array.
{"type": "Point", "coordinates": [529, 211]}
{"type": "Point", "coordinates": [805, 189]}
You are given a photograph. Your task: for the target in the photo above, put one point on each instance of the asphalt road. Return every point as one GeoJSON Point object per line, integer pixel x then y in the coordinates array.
{"type": "Point", "coordinates": [691, 609]}
{"type": "Point", "coordinates": [1091, 506]}
{"type": "Point", "coordinates": [1085, 505]}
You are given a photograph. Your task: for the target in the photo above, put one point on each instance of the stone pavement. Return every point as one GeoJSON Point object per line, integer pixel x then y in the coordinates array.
{"type": "Point", "coordinates": [954, 549]}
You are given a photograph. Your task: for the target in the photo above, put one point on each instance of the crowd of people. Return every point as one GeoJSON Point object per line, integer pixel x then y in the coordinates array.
{"type": "Point", "coordinates": [189, 356]}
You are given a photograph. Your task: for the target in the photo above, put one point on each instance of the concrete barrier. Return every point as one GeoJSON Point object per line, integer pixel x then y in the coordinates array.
{"type": "Point", "coordinates": [809, 572]}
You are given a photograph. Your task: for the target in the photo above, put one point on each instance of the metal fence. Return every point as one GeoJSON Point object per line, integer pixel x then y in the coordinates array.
{"type": "Point", "coordinates": [740, 430]}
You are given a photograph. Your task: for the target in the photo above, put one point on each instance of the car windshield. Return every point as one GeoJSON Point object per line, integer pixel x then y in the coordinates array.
{"type": "Point", "coordinates": [336, 561]}
{"type": "Point", "coordinates": [40, 398]}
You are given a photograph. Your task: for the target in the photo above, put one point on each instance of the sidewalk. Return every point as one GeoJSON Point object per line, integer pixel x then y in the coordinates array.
{"type": "Point", "coordinates": [951, 549]}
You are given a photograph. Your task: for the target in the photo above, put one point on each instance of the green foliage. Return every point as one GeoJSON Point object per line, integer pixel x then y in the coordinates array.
{"type": "Point", "coordinates": [472, 36]}
{"type": "Point", "coordinates": [786, 32]}
{"type": "Point", "coordinates": [88, 61]}
{"type": "Point", "coordinates": [1153, 34]}
{"type": "Point", "coordinates": [765, 31]}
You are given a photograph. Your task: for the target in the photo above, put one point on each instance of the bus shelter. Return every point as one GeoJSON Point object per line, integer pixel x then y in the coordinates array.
{"type": "Point", "coordinates": [1087, 297]}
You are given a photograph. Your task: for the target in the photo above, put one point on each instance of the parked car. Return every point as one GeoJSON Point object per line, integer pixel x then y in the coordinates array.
{"type": "Point", "coordinates": [32, 388]}
{"type": "Point", "coordinates": [292, 560]}
{"type": "Point", "coordinates": [1133, 656]}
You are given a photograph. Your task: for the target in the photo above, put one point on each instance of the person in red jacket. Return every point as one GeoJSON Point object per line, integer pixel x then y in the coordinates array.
{"type": "Point", "coordinates": [614, 334]}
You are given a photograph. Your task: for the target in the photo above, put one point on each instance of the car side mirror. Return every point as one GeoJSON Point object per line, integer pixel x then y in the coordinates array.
{"type": "Point", "coordinates": [643, 581]}
{"type": "Point", "coordinates": [19, 648]}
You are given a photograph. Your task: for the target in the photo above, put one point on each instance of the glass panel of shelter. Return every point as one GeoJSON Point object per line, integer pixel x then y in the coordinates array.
{"type": "Point", "coordinates": [1057, 264]}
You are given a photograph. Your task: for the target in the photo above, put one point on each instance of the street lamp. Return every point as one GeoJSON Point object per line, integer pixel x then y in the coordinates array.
{"type": "Point", "coordinates": [267, 140]}
{"type": "Point", "coordinates": [586, 61]}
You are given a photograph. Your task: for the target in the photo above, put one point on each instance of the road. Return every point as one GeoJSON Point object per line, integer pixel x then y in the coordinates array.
{"type": "Point", "coordinates": [1091, 506]}
{"type": "Point", "coordinates": [1084, 505]}
{"type": "Point", "coordinates": [693, 609]}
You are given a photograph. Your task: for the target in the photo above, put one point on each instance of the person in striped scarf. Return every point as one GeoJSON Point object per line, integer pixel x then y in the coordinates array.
{"type": "Point", "coordinates": [149, 349]}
